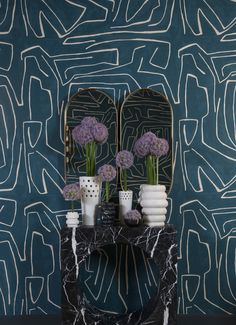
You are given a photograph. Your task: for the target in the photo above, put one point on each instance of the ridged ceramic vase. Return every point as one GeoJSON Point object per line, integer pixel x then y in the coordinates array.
{"type": "Point", "coordinates": [72, 219]}
{"type": "Point", "coordinates": [90, 197]}
{"type": "Point", "coordinates": [153, 200]}
{"type": "Point", "coordinates": [125, 204]}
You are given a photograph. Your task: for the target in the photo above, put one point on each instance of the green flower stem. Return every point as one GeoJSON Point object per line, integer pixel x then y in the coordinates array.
{"type": "Point", "coordinates": [87, 160]}
{"type": "Point", "coordinates": [155, 164]}
{"type": "Point", "coordinates": [90, 154]}
{"type": "Point", "coordinates": [121, 177]}
{"type": "Point", "coordinates": [125, 180]}
{"type": "Point", "coordinates": [72, 205]}
{"type": "Point", "coordinates": [149, 169]}
{"type": "Point", "coordinates": [153, 170]}
{"type": "Point", "coordinates": [92, 158]}
{"type": "Point", "coordinates": [107, 189]}
{"type": "Point", "coordinates": [157, 170]}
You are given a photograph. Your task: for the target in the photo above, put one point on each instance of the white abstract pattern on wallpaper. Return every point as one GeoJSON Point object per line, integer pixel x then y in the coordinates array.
{"type": "Point", "coordinates": [186, 50]}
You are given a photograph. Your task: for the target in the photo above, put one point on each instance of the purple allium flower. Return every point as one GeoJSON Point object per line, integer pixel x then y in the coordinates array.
{"type": "Point", "coordinates": [160, 147]}
{"type": "Point", "coordinates": [143, 144]}
{"type": "Point", "coordinates": [149, 143]}
{"type": "Point", "coordinates": [89, 121]}
{"type": "Point", "coordinates": [124, 159]}
{"type": "Point", "coordinates": [132, 217]}
{"type": "Point", "coordinates": [141, 148]}
{"type": "Point", "coordinates": [133, 214]}
{"type": "Point", "coordinates": [99, 132]}
{"type": "Point", "coordinates": [82, 135]}
{"type": "Point", "coordinates": [107, 173]}
{"type": "Point", "coordinates": [149, 138]}
{"type": "Point", "coordinates": [72, 192]}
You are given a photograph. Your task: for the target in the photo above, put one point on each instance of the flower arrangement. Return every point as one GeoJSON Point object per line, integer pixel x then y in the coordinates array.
{"type": "Point", "coordinates": [132, 217]}
{"type": "Point", "coordinates": [124, 160]}
{"type": "Point", "coordinates": [107, 174]}
{"type": "Point", "coordinates": [152, 148]}
{"type": "Point", "coordinates": [88, 134]}
{"type": "Point", "coordinates": [72, 192]}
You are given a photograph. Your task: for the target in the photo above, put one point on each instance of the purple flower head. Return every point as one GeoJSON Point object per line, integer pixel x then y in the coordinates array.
{"type": "Point", "coordinates": [160, 147]}
{"type": "Point", "coordinates": [99, 132]}
{"type": "Point", "coordinates": [107, 173]}
{"type": "Point", "coordinates": [133, 214]}
{"type": "Point", "coordinates": [89, 121]}
{"type": "Point", "coordinates": [132, 217]}
{"type": "Point", "coordinates": [72, 192]}
{"type": "Point", "coordinates": [124, 159]}
{"type": "Point", "coordinates": [143, 144]}
{"type": "Point", "coordinates": [82, 135]}
{"type": "Point", "coordinates": [141, 148]}
{"type": "Point", "coordinates": [149, 138]}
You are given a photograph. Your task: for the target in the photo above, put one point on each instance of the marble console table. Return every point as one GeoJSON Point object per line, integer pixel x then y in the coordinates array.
{"type": "Point", "coordinates": [158, 243]}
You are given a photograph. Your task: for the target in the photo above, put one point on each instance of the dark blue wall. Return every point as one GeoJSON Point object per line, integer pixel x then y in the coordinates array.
{"type": "Point", "coordinates": [49, 50]}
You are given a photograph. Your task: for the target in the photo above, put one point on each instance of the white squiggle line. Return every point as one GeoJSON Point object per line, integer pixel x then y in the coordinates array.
{"type": "Point", "coordinates": [7, 280]}
{"type": "Point", "coordinates": [12, 19]}
{"type": "Point", "coordinates": [127, 269]}
{"type": "Point", "coordinates": [113, 275]}
{"type": "Point", "coordinates": [119, 281]}
{"type": "Point", "coordinates": [136, 275]}
{"type": "Point", "coordinates": [137, 11]}
{"type": "Point", "coordinates": [227, 263]}
{"type": "Point", "coordinates": [117, 12]}
{"type": "Point", "coordinates": [146, 267]}
{"type": "Point", "coordinates": [11, 56]}
{"type": "Point", "coordinates": [96, 297]}
{"type": "Point", "coordinates": [220, 281]}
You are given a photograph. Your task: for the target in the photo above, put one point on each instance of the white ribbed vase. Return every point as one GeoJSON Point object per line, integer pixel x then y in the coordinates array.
{"type": "Point", "coordinates": [153, 200]}
{"type": "Point", "coordinates": [125, 204]}
{"type": "Point", "coordinates": [90, 197]}
{"type": "Point", "coordinates": [72, 219]}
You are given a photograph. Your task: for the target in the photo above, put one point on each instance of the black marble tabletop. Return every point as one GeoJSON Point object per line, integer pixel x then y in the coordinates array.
{"type": "Point", "coordinates": [158, 243]}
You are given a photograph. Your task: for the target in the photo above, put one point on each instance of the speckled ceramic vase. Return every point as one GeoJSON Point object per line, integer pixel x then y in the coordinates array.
{"type": "Point", "coordinates": [153, 200]}
{"type": "Point", "coordinates": [90, 197]}
{"type": "Point", "coordinates": [125, 204]}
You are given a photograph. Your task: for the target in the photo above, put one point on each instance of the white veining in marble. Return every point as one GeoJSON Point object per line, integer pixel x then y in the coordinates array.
{"type": "Point", "coordinates": [74, 243]}
{"type": "Point", "coordinates": [158, 243]}
{"type": "Point", "coordinates": [166, 316]}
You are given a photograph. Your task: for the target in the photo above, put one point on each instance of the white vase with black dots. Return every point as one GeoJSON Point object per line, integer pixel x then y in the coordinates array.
{"type": "Point", "coordinates": [90, 197]}
{"type": "Point", "coordinates": [125, 204]}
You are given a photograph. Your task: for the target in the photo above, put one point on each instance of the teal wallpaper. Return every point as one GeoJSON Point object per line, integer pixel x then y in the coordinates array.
{"type": "Point", "coordinates": [185, 50]}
